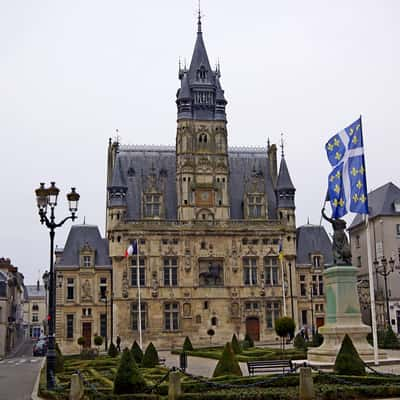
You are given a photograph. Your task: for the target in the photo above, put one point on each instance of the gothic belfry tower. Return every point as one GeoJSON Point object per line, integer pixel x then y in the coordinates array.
{"type": "Point", "coordinates": [201, 141]}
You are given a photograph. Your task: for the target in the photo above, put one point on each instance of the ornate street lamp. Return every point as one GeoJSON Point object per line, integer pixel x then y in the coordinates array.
{"type": "Point", "coordinates": [47, 197]}
{"type": "Point", "coordinates": [383, 271]}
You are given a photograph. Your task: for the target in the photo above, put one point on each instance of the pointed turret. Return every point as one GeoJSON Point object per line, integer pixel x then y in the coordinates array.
{"type": "Point", "coordinates": [200, 96]}
{"type": "Point", "coordinates": [284, 187]}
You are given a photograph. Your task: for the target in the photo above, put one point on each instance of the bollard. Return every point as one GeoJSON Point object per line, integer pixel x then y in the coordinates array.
{"type": "Point", "coordinates": [76, 391]}
{"type": "Point", "coordinates": [174, 388]}
{"type": "Point", "coordinates": [306, 388]}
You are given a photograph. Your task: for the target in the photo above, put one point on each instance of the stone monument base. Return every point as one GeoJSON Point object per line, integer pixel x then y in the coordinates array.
{"type": "Point", "coordinates": [342, 317]}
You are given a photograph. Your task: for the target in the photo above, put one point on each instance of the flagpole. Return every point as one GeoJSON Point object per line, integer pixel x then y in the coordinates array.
{"type": "Point", "coordinates": [139, 299]}
{"type": "Point", "coordinates": [283, 280]}
{"type": "Point", "coordinates": [372, 294]}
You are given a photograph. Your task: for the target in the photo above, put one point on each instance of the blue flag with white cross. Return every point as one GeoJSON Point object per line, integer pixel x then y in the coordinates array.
{"type": "Point", "coordinates": [347, 183]}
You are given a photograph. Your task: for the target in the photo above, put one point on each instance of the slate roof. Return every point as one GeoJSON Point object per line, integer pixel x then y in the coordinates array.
{"type": "Point", "coordinates": [284, 181]}
{"type": "Point", "coordinates": [313, 239]}
{"type": "Point", "coordinates": [380, 203]}
{"type": "Point", "coordinates": [33, 292]}
{"type": "Point", "coordinates": [134, 163]}
{"type": "Point", "coordinates": [80, 235]}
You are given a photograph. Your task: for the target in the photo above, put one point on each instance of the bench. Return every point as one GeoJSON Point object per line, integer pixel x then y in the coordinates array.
{"type": "Point", "coordinates": [269, 366]}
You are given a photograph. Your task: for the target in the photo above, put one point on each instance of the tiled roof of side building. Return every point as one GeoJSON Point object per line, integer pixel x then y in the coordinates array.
{"type": "Point", "coordinates": [79, 236]}
{"type": "Point", "coordinates": [380, 203]}
{"type": "Point", "coordinates": [313, 239]}
{"type": "Point", "coordinates": [32, 291]}
{"type": "Point", "coordinates": [135, 163]}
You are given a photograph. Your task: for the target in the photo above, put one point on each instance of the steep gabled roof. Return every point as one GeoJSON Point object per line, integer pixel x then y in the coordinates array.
{"type": "Point", "coordinates": [79, 236]}
{"type": "Point", "coordinates": [380, 203]}
{"type": "Point", "coordinates": [313, 239]}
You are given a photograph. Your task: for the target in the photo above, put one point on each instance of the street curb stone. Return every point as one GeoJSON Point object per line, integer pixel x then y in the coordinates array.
{"type": "Point", "coordinates": [34, 395]}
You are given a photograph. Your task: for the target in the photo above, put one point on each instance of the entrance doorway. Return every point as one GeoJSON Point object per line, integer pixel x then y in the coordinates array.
{"type": "Point", "coordinates": [253, 328]}
{"type": "Point", "coordinates": [87, 334]}
{"type": "Point", "coordinates": [320, 321]}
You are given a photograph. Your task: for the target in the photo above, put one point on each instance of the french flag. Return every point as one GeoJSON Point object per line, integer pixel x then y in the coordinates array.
{"type": "Point", "coordinates": [132, 249]}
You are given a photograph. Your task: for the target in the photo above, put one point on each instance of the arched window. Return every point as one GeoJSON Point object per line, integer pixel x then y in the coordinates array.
{"type": "Point", "coordinates": [214, 321]}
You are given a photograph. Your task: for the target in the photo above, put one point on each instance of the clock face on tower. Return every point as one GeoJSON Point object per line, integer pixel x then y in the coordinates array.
{"type": "Point", "coordinates": [204, 197]}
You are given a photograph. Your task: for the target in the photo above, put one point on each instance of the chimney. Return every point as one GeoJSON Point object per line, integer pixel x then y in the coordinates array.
{"type": "Point", "coordinates": [273, 166]}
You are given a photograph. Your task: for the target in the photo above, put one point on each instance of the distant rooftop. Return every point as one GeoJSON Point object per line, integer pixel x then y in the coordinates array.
{"type": "Point", "coordinates": [34, 292]}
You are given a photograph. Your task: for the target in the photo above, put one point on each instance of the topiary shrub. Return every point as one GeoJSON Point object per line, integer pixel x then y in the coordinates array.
{"type": "Point", "coordinates": [228, 364]}
{"type": "Point", "coordinates": [390, 340]}
{"type": "Point", "coordinates": [248, 339]}
{"type": "Point", "coordinates": [299, 342]}
{"type": "Point", "coordinates": [59, 359]}
{"type": "Point", "coordinates": [112, 350]}
{"type": "Point", "coordinates": [128, 379]}
{"type": "Point", "coordinates": [187, 344]}
{"type": "Point", "coordinates": [150, 358]}
{"type": "Point", "coordinates": [98, 341]}
{"type": "Point", "coordinates": [235, 345]}
{"type": "Point", "coordinates": [137, 352]}
{"type": "Point", "coordinates": [348, 362]}
{"type": "Point", "coordinates": [285, 327]}
{"type": "Point", "coordinates": [244, 344]}
{"type": "Point", "coordinates": [81, 341]}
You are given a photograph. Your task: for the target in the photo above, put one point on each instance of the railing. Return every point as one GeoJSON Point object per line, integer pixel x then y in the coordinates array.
{"type": "Point", "coordinates": [222, 223]}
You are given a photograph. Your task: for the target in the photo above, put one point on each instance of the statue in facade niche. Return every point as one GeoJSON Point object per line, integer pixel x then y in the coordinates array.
{"type": "Point", "coordinates": [340, 246]}
{"type": "Point", "coordinates": [86, 290]}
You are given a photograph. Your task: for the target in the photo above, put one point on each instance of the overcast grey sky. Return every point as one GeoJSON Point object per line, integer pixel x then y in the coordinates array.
{"type": "Point", "coordinates": [71, 72]}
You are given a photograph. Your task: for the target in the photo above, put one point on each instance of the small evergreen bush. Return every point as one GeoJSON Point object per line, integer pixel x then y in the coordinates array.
{"type": "Point", "coordinates": [299, 342]}
{"type": "Point", "coordinates": [128, 379]}
{"type": "Point", "coordinates": [245, 344]}
{"type": "Point", "coordinates": [137, 352]}
{"type": "Point", "coordinates": [317, 339]}
{"type": "Point", "coordinates": [235, 345]}
{"type": "Point", "coordinates": [348, 362]}
{"type": "Point", "coordinates": [247, 338]}
{"type": "Point", "coordinates": [59, 359]}
{"type": "Point", "coordinates": [228, 364]}
{"type": "Point", "coordinates": [81, 341]}
{"type": "Point", "coordinates": [150, 358]}
{"type": "Point", "coordinates": [112, 350]}
{"type": "Point", "coordinates": [187, 344]}
{"type": "Point", "coordinates": [390, 340]}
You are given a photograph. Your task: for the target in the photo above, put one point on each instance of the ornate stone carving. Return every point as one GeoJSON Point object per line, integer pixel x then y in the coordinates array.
{"type": "Point", "coordinates": [86, 291]}
{"type": "Point", "coordinates": [125, 284]}
{"type": "Point", "coordinates": [154, 285]}
{"type": "Point", "coordinates": [187, 309]}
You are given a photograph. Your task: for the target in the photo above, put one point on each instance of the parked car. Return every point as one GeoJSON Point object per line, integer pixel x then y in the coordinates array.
{"type": "Point", "coordinates": [40, 348]}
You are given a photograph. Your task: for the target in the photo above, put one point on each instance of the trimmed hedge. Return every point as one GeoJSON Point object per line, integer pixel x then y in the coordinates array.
{"type": "Point", "coordinates": [235, 345]}
{"type": "Point", "coordinates": [137, 352]}
{"type": "Point", "coordinates": [112, 350]}
{"type": "Point", "coordinates": [150, 358]}
{"type": "Point", "coordinates": [299, 342]}
{"type": "Point", "coordinates": [348, 362]}
{"type": "Point", "coordinates": [128, 378]}
{"type": "Point", "coordinates": [248, 339]}
{"type": "Point", "coordinates": [228, 364]}
{"type": "Point", "coordinates": [187, 344]}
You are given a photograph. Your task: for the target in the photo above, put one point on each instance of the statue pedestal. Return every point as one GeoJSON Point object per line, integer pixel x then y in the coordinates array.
{"type": "Point", "coordinates": [342, 316]}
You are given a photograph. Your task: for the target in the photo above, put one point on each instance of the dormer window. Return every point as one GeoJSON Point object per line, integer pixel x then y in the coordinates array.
{"type": "Point", "coordinates": [255, 205]}
{"type": "Point", "coordinates": [202, 73]}
{"type": "Point", "coordinates": [87, 261]}
{"type": "Point", "coordinates": [317, 261]}
{"type": "Point", "coordinates": [396, 206]}
{"type": "Point", "coordinates": [152, 205]}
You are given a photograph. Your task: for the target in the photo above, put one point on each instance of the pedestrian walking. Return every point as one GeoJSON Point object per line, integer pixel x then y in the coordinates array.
{"type": "Point", "coordinates": [118, 343]}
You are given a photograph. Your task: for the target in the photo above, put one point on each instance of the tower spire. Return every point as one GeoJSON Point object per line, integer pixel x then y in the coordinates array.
{"type": "Point", "coordinates": [199, 19]}
{"type": "Point", "coordinates": [282, 147]}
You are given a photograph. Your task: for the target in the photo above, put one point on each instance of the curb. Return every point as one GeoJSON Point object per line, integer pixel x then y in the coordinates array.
{"type": "Point", "coordinates": [34, 395]}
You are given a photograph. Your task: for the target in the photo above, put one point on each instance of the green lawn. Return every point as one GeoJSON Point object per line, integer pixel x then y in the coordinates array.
{"type": "Point", "coordinates": [251, 354]}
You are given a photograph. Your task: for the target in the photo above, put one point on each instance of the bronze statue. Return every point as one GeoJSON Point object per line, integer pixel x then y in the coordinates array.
{"type": "Point", "coordinates": [340, 246]}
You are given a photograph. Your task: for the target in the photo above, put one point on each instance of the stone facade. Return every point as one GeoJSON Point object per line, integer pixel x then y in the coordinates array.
{"type": "Point", "coordinates": [35, 311]}
{"type": "Point", "coordinates": [209, 220]}
{"type": "Point", "coordinates": [384, 223]}
{"type": "Point", "coordinates": [83, 293]}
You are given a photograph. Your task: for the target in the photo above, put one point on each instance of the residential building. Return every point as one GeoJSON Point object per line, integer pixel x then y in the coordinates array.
{"type": "Point", "coordinates": [35, 311]}
{"type": "Point", "coordinates": [83, 294]}
{"type": "Point", "coordinates": [314, 255]}
{"type": "Point", "coordinates": [384, 227]}
{"type": "Point", "coordinates": [11, 306]}
{"type": "Point", "coordinates": [209, 219]}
